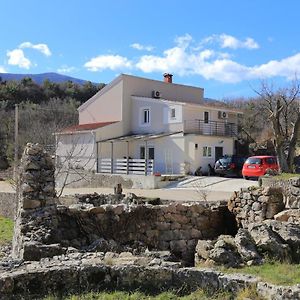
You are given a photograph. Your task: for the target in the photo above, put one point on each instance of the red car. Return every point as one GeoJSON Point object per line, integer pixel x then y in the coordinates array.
{"type": "Point", "coordinates": [256, 166]}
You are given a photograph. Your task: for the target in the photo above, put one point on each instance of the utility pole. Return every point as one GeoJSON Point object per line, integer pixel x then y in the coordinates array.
{"type": "Point", "coordinates": [16, 141]}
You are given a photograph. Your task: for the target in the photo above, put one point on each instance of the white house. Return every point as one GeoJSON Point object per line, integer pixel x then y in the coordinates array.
{"type": "Point", "coordinates": [136, 125]}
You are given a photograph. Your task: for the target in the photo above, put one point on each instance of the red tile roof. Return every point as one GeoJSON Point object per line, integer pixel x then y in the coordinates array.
{"type": "Point", "coordinates": [82, 127]}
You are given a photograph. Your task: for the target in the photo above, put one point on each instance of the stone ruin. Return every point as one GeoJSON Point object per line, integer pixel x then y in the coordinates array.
{"type": "Point", "coordinates": [46, 229]}
{"type": "Point", "coordinates": [124, 242]}
{"type": "Point", "coordinates": [266, 231]}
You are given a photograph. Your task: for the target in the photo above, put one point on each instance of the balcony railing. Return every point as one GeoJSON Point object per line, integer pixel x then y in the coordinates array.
{"type": "Point", "coordinates": [212, 128]}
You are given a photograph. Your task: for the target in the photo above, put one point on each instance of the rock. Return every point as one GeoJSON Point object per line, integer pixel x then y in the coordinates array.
{"type": "Point", "coordinates": [256, 206]}
{"type": "Point", "coordinates": [203, 249]}
{"type": "Point", "coordinates": [30, 204]}
{"type": "Point", "coordinates": [246, 246]}
{"type": "Point", "coordinates": [268, 242]}
{"type": "Point", "coordinates": [290, 234]}
{"type": "Point", "coordinates": [292, 215]}
{"type": "Point", "coordinates": [295, 181]}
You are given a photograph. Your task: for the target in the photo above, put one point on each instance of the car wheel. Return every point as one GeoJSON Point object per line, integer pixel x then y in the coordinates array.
{"type": "Point", "coordinates": [246, 177]}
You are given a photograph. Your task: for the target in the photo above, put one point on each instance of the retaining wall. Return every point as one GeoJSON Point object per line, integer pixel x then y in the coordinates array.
{"type": "Point", "coordinates": [59, 277]}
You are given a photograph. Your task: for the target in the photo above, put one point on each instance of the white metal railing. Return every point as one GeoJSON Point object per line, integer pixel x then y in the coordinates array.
{"type": "Point", "coordinates": [126, 166]}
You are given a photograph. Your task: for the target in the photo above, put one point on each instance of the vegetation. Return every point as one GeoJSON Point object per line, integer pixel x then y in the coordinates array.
{"type": "Point", "coordinates": [6, 230]}
{"type": "Point", "coordinates": [198, 295]}
{"type": "Point", "coordinates": [51, 104]}
{"type": "Point", "coordinates": [273, 272]}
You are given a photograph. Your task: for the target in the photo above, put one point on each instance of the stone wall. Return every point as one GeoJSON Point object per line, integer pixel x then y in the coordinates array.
{"type": "Point", "coordinates": [256, 204]}
{"type": "Point", "coordinates": [75, 273]}
{"type": "Point", "coordinates": [45, 229]}
{"type": "Point", "coordinates": [8, 205]}
{"type": "Point", "coordinates": [52, 230]}
{"type": "Point", "coordinates": [290, 189]}
{"type": "Point", "coordinates": [36, 191]}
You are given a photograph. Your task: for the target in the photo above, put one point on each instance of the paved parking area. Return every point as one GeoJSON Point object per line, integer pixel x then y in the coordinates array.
{"type": "Point", "coordinates": [213, 183]}
{"type": "Point", "coordinates": [190, 189]}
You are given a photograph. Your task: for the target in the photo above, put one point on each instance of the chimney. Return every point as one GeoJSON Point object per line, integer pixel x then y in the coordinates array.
{"type": "Point", "coordinates": [168, 77]}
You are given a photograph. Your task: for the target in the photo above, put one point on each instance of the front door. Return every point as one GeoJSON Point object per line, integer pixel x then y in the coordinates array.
{"type": "Point", "coordinates": [218, 153]}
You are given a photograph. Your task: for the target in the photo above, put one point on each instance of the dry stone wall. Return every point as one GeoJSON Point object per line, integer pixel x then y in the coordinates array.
{"type": "Point", "coordinates": [255, 205]}
{"type": "Point", "coordinates": [78, 273]}
{"type": "Point", "coordinates": [45, 229]}
{"type": "Point", "coordinates": [290, 190]}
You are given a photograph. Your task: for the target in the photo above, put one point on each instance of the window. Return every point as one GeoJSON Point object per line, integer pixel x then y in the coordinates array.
{"type": "Point", "coordinates": [150, 152]}
{"type": "Point", "coordinates": [206, 117]}
{"type": "Point", "coordinates": [146, 116]}
{"type": "Point", "coordinates": [206, 151]}
{"type": "Point", "coordinates": [173, 113]}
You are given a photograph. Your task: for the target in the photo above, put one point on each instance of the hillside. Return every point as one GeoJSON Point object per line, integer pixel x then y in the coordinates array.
{"type": "Point", "coordinates": [39, 78]}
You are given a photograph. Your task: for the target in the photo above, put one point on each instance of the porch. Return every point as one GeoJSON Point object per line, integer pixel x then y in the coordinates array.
{"type": "Point", "coordinates": [128, 155]}
{"type": "Point", "coordinates": [126, 165]}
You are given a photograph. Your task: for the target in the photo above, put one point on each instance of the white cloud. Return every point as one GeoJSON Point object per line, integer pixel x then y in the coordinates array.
{"type": "Point", "coordinates": [2, 70]}
{"type": "Point", "coordinates": [43, 48]}
{"type": "Point", "coordinates": [184, 59]}
{"type": "Point", "coordinates": [66, 69]}
{"type": "Point", "coordinates": [16, 57]}
{"type": "Point", "coordinates": [112, 62]}
{"type": "Point", "coordinates": [231, 42]}
{"type": "Point", "coordinates": [138, 46]}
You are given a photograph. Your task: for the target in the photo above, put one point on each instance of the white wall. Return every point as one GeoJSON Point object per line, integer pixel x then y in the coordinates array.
{"type": "Point", "coordinates": [160, 119]}
{"type": "Point", "coordinates": [76, 151]}
{"type": "Point", "coordinates": [195, 156]}
{"type": "Point", "coordinates": [105, 107]}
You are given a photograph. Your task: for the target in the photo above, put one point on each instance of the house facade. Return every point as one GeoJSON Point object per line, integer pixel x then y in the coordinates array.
{"type": "Point", "coordinates": [141, 126]}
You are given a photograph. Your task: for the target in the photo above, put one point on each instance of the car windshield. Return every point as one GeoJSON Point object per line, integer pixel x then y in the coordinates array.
{"type": "Point", "coordinates": [225, 160]}
{"type": "Point", "coordinates": [253, 161]}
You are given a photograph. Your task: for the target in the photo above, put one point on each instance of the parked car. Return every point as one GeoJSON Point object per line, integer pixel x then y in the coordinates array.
{"type": "Point", "coordinates": [229, 165]}
{"type": "Point", "coordinates": [256, 166]}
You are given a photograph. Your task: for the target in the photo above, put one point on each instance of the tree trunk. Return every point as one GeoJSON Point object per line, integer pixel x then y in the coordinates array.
{"type": "Point", "coordinates": [293, 143]}
{"type": "Point", "coordinates": [282, 159]}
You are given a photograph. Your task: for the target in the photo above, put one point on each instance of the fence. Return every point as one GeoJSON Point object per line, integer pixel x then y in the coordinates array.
{"type": "Point", "coordinates": [126, 166]}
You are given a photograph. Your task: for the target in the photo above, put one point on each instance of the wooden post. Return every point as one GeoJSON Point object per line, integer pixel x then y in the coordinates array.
{"type": "Point", "coordinates": [146, 158]}
{"type": "Point", "coordinates": [112, 158]}
{"type": "Point", "coordinates": [127, 163]}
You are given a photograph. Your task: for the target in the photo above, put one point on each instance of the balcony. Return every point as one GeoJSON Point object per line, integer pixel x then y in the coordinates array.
{"type": "Point", "coordinates": [212, 128]}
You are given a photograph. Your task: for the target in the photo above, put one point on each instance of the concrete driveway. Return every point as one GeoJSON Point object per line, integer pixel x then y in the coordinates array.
{"type": "Point", "coordinates": [190, 189]}
{"type": "Point", "coordinates": [213, 183]}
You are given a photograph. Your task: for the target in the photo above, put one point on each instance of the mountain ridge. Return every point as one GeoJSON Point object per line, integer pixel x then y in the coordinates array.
{"type": "Point", "coordinates": [41, 77]}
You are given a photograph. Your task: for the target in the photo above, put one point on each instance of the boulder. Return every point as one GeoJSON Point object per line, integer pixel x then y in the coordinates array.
{"type": "Point", "coordinates": [269, 242]}
{"type": "Point", "coordinates": [225, 252]}
{"type": "Point", "coordinates": [292, 215]}
{"type": "Point", "coordinates": [246, 246]}
{"type": "Point", "coordinates": [290, 234]}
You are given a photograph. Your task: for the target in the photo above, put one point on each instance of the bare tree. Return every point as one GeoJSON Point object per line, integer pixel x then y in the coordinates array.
{"type": "Point", "coordinates": [283, 110]}
{"type": "Point", "coordinates": [75, 159]}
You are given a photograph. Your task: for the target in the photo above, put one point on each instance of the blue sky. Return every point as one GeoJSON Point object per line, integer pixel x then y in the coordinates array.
{"type": "Point", "coordinates": [226, 47]}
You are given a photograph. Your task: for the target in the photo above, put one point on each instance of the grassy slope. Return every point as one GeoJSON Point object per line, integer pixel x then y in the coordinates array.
{"type": "Point", "coordinates": [6, 230]}
{"type": "Point", "coordinates": [273, 272]}
{"type": "Point", "coordinates": [198, 295]}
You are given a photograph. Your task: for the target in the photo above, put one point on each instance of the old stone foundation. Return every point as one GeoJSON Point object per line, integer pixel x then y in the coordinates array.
{"type": "Point", "coordinates": [122, 242]}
